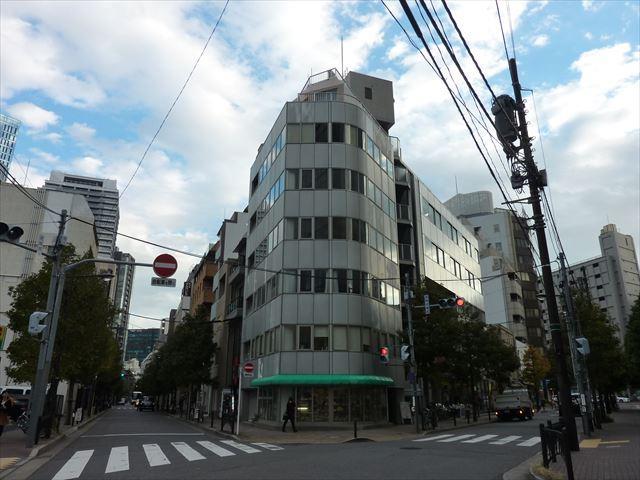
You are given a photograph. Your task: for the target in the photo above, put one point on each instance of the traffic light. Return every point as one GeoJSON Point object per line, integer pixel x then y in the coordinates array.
{"type": "Point", "coordinates": [35, 327]}
{"type": "Point", "coordinates": [582, 346]}
{"type": "Point", "coordinates": [10, 234]}
{"type": "Point", "coordinates": [384, 355]}
{"type": "Point", "coordinates": [451, 302]}
{"type": "Point", "coordinates": [405, 352]}
{"type": "Point", "coordinates": [121, 374]}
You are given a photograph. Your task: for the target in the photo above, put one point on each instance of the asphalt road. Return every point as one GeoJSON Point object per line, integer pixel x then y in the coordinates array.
{"type": "Point", "coordinates": [126, 444]}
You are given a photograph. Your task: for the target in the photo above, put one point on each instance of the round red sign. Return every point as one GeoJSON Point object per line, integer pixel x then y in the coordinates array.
{"type": "Point", "coordinates": [248, 367]}
{"type": "Point", "coordinates": [165, 265]}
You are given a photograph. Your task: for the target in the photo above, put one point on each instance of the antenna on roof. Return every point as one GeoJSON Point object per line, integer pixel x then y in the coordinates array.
{"type": "Point", "coordinates": [456, 180]}
{"type": "Point", "coordinates": [341, 56]}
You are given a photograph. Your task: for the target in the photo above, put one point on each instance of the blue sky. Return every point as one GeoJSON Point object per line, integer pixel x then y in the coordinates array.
{"type": "Point", "coordinates": [92, 81]}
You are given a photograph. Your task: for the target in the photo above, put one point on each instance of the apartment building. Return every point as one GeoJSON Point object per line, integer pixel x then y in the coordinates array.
{"type": "Point", "coordinates": [9, 127]}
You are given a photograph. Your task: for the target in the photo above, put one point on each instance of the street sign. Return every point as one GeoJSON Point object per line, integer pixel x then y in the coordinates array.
{"type": "Point", "coordinates": [165, 265]}
{"type": "Point", "coordinates": [427, 306]}
{"type": "Point", "coordinates": [247, 369]}
{"type": "Point", "coordinates": [163, 282]}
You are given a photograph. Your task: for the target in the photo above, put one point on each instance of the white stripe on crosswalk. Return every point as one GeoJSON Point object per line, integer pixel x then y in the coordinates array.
{"type": "Point", "coordinates": [187, 452]}
{"type": "Point", "coordinates": [455, 439]}
{"type": "Point", "coordinates": [482, 438]}
{"type": "Point", "coordinates": [530, 443]}
{"type": "Point", "coordinates": [437, 437]}
{"type": "Point", "coordinates": [268, 446]}
{"type": "Point", "coordinates": [506, 440]}
{"type": "Point", "coordinates": [241, 446]}
{"type": "Point", "coordinates": [155, 456]}
{"type": "Point", "coordinates": [74, 466]}
{"type": "Point", "coordinates": [217, 449]}
{"type": "Point", "coordinates": [118, 460]}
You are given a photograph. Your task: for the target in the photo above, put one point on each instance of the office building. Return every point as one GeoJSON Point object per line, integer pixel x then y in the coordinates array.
{"type": "Point", "coordinates": [611, 279]}
{"type": "Point", "coordinates": [8, 131]}
{"type": "Point", "coordinates": [141, 342]}
{"type": "Point", "coordinates": [122, 296]}
{"type": "Point", "coordinates": [102, 195]}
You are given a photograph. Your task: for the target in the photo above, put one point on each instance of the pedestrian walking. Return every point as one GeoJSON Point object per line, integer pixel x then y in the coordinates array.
{"type": "Point", "coordinates": [6, 410]}
{"type": "Point", "coordinates": [290, 415]}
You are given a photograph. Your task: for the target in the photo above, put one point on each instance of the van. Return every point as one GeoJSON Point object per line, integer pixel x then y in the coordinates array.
{"type": "Point", "coordinates": [514, 403]}
{"type": "Point", "coordinates": [15, 390]}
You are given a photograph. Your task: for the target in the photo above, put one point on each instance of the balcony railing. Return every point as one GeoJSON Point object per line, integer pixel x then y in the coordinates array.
{"type": "Point", "coordinates": [405, 251]}
{"type": "Point", "coordinates": [235, 306]}
{"type": "Point", "coordinates": [404, 212]}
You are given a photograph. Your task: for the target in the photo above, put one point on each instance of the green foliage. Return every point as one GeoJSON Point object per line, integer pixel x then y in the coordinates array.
{"type": "Point", "coordinates": [185, 359]}
{"type": "Point", "coordinates": [632, 345]}
{"type": "Point", "coordinates": [455, 349]}
{"type": "Point", "coordinates": [85, 344]}
{"type": "Point", "coordinates": [606, 362]}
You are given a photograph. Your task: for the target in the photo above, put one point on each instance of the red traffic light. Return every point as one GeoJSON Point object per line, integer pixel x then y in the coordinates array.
{"type": "Point", "coordinates": [384, 354]}
{"type": "Point", "coordinates": [459, 302]}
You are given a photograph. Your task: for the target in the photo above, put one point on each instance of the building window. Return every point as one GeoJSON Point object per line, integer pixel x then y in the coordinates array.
{"type": "Point", "coordinates": [307, 178]}
{"type": "Point", "coordinates": [337, 132]}
{"type": "Point", "coordinates": [305, 280]}
{"type": "Point", "coordinates": [308, 132]}
{"type": "Point", "coordinates": [339, 337]}
{"type": "Point", "coordinates": [321, 227]}
{"type": "Point", "coordinates": [293, 133]}
{"type": "Point", "coordinates": [290, 281]}
{"type": "Point", "coordinates": [339, 230]}
{"type": "Point", "coordinates": [322, 132]}
{"type": "Point", "coordinates": [292, 179]}
{"type": "Point", "coordinates": [322, 178]}
{"type": "Point", "coordinates": [337, 178]}
{"type": "Point", "coordinates": [321, 338]}
{"type": "Point", "coordinates": [291, 228]}
{"type": "Point", "coordinates": [305, 228]}
{"type": "Point", "coordinates": [356, 282]}
{"type": "Point", "coordinates": [320, 281]}
{"type": "Point", "coordinates": [340, 281]}
{"type": "Point", "coordinates": [304, 337]}
{"type": "Point", "coordinates": [288, 338]}
{"type": "Point", "coordinates": [368, 93]}
{"type": "Point", "coordinates": [355, 344]}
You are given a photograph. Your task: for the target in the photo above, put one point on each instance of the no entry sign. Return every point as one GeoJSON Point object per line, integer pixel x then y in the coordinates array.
{"type": "Point", "coordinates": [165, 265]}
{"type": "Point", "coordinates": [248, 369]}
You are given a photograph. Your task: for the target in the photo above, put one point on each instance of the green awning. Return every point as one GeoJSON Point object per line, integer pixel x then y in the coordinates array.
{"type": "Point", "coordinates": [322, 380]}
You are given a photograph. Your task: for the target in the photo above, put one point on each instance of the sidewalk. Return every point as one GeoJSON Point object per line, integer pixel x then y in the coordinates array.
{"type": "Point", "coordinates": [13, 452]}
{"type": "Point", "coordinates": [260, 433]}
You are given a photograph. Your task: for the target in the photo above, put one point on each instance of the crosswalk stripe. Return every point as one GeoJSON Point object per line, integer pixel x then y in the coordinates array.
{"type": "Point", "coordinates": [455, 439]}
{"type": "Point", "coordinates": [482, 438]}
{"type": "Point", "coordinates": [241, 446]}
{"type": "Point", "coordinates": [506, 440]}
{"type": "Point", "coordinates": [530, 443]}
{"type": "Point", "coordinates": [217, 449]}
{"type": "Point", "coordinates": [187, 452]}
{"type": "Point", "coordinates": [74, 466]}
{"type": "Point", "coordinates": [155, 456]}
{"type": "Point", "coordinates": [268, 446]}
{"type": "Point", "coordinates": [437, 437]}
{"type": "Point", "coordinates": [118, 460]}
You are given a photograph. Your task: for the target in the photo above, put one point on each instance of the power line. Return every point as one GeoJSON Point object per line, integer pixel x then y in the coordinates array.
{"type": "Point", "coordinates": [504, 41]}
{"type": "Point", "coordinates": [175, 100]}
{"type": "Point", "coordinates": [513, 44]}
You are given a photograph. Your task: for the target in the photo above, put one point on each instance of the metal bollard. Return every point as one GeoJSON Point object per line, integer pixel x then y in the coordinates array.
{"type": "Point", "coordinates": [355, 429]}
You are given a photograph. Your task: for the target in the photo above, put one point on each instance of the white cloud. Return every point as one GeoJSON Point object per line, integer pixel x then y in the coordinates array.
{"type": "Point", "coordinates": [81, 132]}
{"type": "Point", "coordinates": [399, 49]}
{"type": "Point", "coordinates": [89, 166]}
{"type": "Point", "coordinates": [540, 40]}
{"type": "Point", "coordinates": [53, 137]}
{"type": "Point", "coordinates": [588, 36]}
{"type": "Point", "coordinates": [591, 5]}
{"type": "Point", "coordinates": [42, 156]}
{"type": "Point", "coordinates": [33, 116]}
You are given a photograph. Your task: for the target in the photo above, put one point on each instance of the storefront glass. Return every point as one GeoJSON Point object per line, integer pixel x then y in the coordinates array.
{"type": "Point", "coordinates": [341, 405]}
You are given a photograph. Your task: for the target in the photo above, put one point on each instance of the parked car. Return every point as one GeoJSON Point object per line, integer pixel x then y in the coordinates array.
{"type": "Point", "coordinates": [146, 403]}
{"type": "Point", "coordinates": [620, 399]}
{"type": "Point", "coordinates": [121, 401]}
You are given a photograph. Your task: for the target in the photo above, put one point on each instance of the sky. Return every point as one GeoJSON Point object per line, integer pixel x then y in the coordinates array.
{"type": "Point", "coordinates": [92, 81]}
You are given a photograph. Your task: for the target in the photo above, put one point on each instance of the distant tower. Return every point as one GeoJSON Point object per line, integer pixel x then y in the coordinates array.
{"type": "Point", "coordinates": [8, 130]}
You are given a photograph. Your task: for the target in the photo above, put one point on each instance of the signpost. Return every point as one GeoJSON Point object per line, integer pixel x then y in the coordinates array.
{"type": "Point", "coordinates": [163, 282]}
{"type": "Point", "coordinates": [247, 369]}
{"type": "Point", "coordinates": [165, 265]}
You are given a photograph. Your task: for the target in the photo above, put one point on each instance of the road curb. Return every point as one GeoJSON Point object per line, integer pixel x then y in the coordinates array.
{"type": "Point", "coordinates": [204, 428]}
{"type": "Point", "coordinates": [524, 470]}
{"type": "Point", "coordinates": [41, 449]}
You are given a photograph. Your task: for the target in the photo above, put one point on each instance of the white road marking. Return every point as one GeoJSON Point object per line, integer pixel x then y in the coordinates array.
{"type": "Point", "coordinates": [241, 446]}
{"type": "Point", "coordinates": [155, 456]}
{"type": "Point", "coordinates": [139, 434]}
{"type": "Point", "coordinates": [217, 449]}
{"type": "Point", "coordinates": [118, 460]}
{"type": "Point", "coordinates": [505, 440]}
{"type": "Point", "coordinates": [268, 446]}
{"type": "Point", "coordinates": [437, 437]}
{"type": "Point", "coordinates": [480, 439]}
{"type": "Point", "coordinates": [187, 452]}
{"type": "Point", "coordinates": [530, 443]}
{"type": "Point", "coordinates": [455, 439]}
{"type": "Point", "coordinates": [74, 466]}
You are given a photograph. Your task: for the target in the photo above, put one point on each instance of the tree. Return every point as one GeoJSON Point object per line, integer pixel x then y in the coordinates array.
{"type": "Point", "coordinates": [536, 367]}
{"type": "Point", "coordinates": [632, 345]}
{"type": "Point", "coordinates": [85, 347]}
{"type": "Point", "coordinates": [606, 362]}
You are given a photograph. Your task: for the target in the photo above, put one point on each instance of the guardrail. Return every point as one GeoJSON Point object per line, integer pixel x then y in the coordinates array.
{"type": "Point", "coordinates": [554, 442]}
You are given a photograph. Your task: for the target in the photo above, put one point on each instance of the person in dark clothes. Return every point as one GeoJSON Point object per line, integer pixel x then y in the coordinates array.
{"type": "Point", "coordinates": [290, 416]}
{"type": "Point", "coordinates": [7, 406]}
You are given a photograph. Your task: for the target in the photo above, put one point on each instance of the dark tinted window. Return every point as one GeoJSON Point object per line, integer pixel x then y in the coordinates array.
{"type": "Point", "coordinates": [305, 280]}
{"type": "Point", "coordinates": [320, 281]}
{"type": "Point", "coordinates": [321, 227]}
{"type": "Point", "coordinates": [337, 132]}
{"type": "Point", "coordinates": [337, 178]}
{"type": "Point", "coordinates": [305, 228]}
{"type": "Point", "coordinates": [368, 93]}
{"type": "Point", "coordinates": [339, 228]}
{"type": "Point", "coordinates": [322, 178]}
{"type": "Point", "coordinates": [322, 132]}
{"type": "Point", "coordinates": [307, 179]}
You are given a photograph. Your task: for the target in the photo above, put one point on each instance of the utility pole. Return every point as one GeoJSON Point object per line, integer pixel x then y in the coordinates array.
{"type": "Point", "coordinates": [536, 183]}
{"type": "Point", "coordinates": [413, 370]}
{"type": "Point", "coordinates": [38, 392]}
{"type": "Point", "coordinates": [579, 366]}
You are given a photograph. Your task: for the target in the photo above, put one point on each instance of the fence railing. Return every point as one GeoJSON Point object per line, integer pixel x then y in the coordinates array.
{"type": "Point", "coordinates": [554, 443]}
